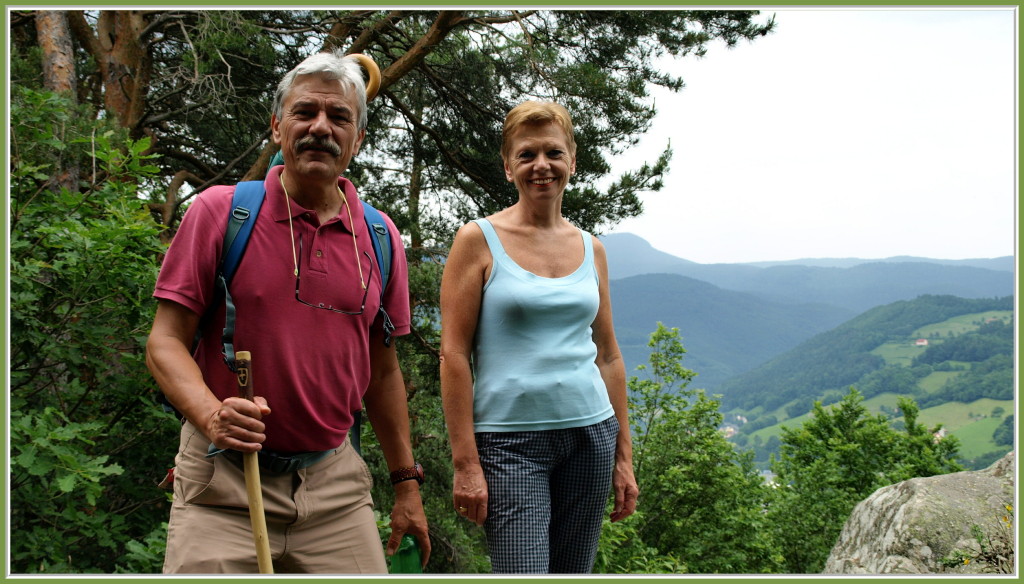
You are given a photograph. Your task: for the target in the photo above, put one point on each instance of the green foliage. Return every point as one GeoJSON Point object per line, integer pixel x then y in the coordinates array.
{"type": "Point", "coordinates": [146, 556]}
{"type": "Point", "coordinates": [985, 460]}
{"type": "Point", "coordinates": [800, 407]}
{"type": "Point", "coordinates": [1003, 436]}
{"type": "Point", "coordinates": [55, 450]}
{"type": "Point", "coordinates": [702, 501]}
{"type": "Point", "coordinates": [623, 551]}
{"type": "Point", "coordinates": [919, 451]}
{"type": "Point", "coordinates": [835, 460]}
{"type": "Point", "coordinates": [991, 378]}
{"type": "Point", "coordinates": [893, 379]}
{"type": "Point", "coordinates": [84, 431]}
{"type": "Point", "coordinates": [759, 423]}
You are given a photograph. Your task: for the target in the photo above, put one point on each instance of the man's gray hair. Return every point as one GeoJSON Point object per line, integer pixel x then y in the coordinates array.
{"type": "Point", "coordinates": [334, 65]}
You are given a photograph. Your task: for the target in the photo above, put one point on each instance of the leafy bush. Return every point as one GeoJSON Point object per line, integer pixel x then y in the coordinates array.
{"type": "Point", "coordinates": [623, 551]}
{"type": "Point", "coordinates": [701, 502]}
{"type": "Point", "coordinates": [87, 442]}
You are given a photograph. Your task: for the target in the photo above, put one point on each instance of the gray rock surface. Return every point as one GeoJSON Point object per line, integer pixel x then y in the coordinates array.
{"type": "Point", "coordinates": [933, 525]}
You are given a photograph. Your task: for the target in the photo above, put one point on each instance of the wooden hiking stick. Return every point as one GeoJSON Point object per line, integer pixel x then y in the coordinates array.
{"type": "Point", "coordinates": [373, 71]}
{"type": "Point", "coordinates": [253, 489]}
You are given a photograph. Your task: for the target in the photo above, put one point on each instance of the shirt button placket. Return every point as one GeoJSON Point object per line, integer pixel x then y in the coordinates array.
{"type": "Point", "coordinates": [318, 257]}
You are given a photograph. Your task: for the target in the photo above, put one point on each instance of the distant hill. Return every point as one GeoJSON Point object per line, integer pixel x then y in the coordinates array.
{"type": "Point", "coordinates": [1005, 263]}
{"type": "Point", "coordinates": [631, 255]}
{"type": "Point", "coordinates": [724, 332]}
{"type": "Point", "coordinates": [865, 286]}
{"type": "Point", "coordinates": [953, 356]}
{"type": "Point", "coordinates": [841, 357]}
{"type": "Point", "coordinates": [855, 285]}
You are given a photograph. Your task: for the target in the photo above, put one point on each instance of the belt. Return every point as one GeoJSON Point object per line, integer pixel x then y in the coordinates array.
{"type": "Point", "coordinates": [276, 462]}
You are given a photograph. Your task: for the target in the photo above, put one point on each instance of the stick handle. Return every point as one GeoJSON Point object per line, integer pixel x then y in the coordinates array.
{"type": "Point", "coordinates": [373, 71]}
{"type": "Point", "coordinates": [253, 488]}
{"type": "Point", "coordinates": [243, 364]}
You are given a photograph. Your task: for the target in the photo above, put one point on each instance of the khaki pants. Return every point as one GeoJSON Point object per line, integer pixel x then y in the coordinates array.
{"type": "Point", "coordinates": [320, 519]}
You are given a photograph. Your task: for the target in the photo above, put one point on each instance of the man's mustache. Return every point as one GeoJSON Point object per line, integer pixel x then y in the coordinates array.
{"type": "Point", "coordinates": [322, 143]}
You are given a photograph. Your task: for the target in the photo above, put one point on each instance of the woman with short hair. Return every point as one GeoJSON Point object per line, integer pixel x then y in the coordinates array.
{"type": "Point", "coordinates": [532, 380]}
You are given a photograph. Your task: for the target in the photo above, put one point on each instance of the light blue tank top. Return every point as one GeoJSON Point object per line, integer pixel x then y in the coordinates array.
{"type": "Point", "coordinates": [534, 355]}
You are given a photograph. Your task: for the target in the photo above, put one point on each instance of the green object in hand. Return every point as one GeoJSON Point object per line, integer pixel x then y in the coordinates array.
{"type": "Point", "coordinates": [407, 559]}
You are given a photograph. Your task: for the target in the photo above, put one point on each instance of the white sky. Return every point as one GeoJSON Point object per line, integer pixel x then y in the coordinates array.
{"type": "Point", "coordinates": [852, 132]}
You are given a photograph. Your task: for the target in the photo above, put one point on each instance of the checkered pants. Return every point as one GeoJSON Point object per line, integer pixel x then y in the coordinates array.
{"type": "Point", "coordinates": [547, 493]}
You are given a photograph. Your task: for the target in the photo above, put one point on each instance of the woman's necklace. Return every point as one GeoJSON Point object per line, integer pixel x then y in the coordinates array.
{"type": "Point", "coordinates": [291, 231]}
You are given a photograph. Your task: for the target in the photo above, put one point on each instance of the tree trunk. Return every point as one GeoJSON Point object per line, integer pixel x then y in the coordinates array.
{"type": "Point", "coordinates": [55, 42]}
{"type": "Point", "coordinates": [415, 182]}
{"type": "Point", "coordinates": [58, 76]}
{"type": "Point", "coordinates": [415, 192]}
{"type": "Point", "coordinates": [124, 60]}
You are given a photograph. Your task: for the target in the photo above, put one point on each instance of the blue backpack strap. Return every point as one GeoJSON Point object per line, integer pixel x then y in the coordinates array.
{"type": "Point", "coordinates": [245, 206]}
{"type": "Point", "coordinates": [378, 229]}
{"type": "Point", "coordinates": [381, 242]}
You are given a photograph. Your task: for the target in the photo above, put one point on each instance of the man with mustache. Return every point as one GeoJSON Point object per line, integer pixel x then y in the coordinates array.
{"type": "Point", "coordinates": [308, 301]}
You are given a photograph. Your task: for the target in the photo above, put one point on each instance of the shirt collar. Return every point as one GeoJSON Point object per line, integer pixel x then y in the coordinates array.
{"type": "Point", "coordinates": [276, 200]}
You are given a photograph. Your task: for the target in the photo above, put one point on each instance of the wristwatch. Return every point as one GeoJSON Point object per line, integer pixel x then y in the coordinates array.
{"type": "Point", "coordinates": [407, 474]}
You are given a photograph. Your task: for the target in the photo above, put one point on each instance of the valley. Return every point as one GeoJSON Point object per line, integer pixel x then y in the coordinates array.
{"type": "Point", "coordinates": [771, 339]}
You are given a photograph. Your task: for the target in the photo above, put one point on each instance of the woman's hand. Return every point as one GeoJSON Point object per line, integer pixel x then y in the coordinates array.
{"type": "Point", "coordinates": [626, 490]}
{"type": "Point", "coordinates": [470, 493]}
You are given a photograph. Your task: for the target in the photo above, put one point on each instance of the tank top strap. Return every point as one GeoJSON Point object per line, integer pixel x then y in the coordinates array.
{"type": "Point", "coordinates": [498, 250]}
{"type": "Point", "coordinates": [588, 247]}
{"type": "Point", "coordinates": [491, 236]}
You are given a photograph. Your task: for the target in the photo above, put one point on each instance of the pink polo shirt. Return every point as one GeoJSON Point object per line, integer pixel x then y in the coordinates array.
{"type": "Point", "coordinates": [312, 365]}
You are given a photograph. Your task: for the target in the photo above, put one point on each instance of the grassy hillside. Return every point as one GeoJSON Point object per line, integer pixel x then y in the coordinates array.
{"type": "Point", "coordinates": [962, 378]}
{"type": "Point", "coordinates": [973, 425]}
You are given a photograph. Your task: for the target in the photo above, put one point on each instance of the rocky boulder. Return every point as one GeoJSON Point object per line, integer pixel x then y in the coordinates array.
{"type": "Point", "coordinates": [959, 523]}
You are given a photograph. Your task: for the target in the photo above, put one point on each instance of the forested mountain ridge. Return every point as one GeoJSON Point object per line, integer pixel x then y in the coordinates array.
{"type": "Point", "coordinates": [734, 317]}
{"type": "Point", "coordinates": [1004, 263]}
{"type": "Point", "coordinates": [856, 285]}
{"type": "Point", "coordinates": [634, 255]}
{"type": "Point", "coordinates": [841, 357]}
{"type": "Point", "coordinates": [725, 332]}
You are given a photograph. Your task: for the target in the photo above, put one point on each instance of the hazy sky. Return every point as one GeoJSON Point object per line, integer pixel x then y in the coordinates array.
{"type": "Point", "coordinates": [853, 132]}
